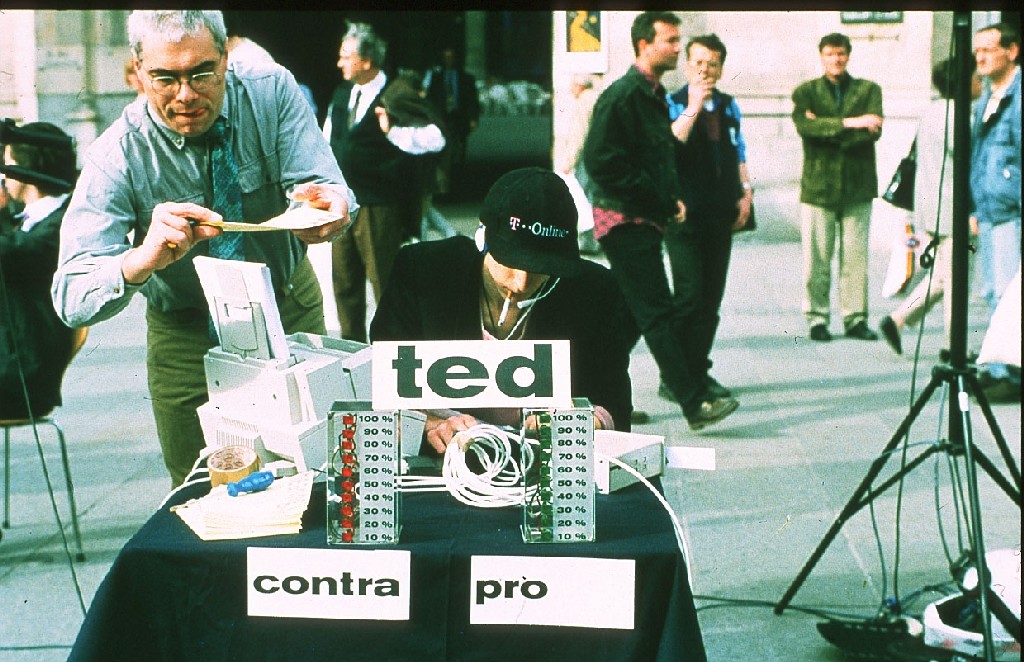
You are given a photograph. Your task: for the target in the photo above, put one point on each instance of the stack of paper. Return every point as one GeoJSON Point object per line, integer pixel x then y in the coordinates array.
{"type": "Point", "coordinates": [275, 511]}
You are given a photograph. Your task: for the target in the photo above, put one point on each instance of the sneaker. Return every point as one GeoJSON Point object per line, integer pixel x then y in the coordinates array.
{"type": "Point", "coordinates": [715, 390]}
{"type": "Point", "coordinates": [710, 412]}
{"type": "Point", "coordinates": [891, 333]}
{"type": "Point", "coordinates": [860, 331]}
{"type": "Point", "coordinates": [819, 332]}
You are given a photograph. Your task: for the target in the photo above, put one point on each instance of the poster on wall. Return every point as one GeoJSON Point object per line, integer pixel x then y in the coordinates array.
{"type": "Point", "coordinates": [581, 45]}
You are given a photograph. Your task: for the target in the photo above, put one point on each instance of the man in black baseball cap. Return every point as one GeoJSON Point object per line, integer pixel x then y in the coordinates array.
{"type": "Point", "coordinates": [524, 279]}
{"type": "Point", "coordinates": [530, 220]}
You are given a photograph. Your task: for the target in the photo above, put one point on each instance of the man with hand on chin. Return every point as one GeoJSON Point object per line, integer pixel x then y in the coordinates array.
{"type": "Point", "coordinates": [715, 186]}
{"type": "Point", "coordinates": [212, 140]}
{"type": "Point", "coordinates": [525, 282]}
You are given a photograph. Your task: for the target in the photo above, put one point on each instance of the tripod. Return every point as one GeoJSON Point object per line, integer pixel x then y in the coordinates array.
{"type": "Point", "coordinates": [961, 379]}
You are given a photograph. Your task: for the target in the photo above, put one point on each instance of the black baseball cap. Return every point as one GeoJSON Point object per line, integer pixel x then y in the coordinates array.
{"type": "Point", "coordinates": [530, 223]}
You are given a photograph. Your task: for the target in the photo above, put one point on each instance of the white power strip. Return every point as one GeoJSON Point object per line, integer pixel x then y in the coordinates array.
{"type": "Point", "coordinates": [643, 452]}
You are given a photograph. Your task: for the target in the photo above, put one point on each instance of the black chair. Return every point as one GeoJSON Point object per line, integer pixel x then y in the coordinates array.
{"type": "Point", "coordinates": [78, 340]}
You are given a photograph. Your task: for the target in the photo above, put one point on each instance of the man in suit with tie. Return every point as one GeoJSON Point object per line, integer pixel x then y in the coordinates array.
{"type": "Point", "coordinates": [382, 175]}
{"type": "Point", "coordinates": [213, 141]}
{"type": "Point", "coordinates": [839, 118]}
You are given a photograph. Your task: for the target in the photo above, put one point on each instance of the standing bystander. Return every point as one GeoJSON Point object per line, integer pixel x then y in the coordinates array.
{"type": "Point", "coordinates": [568, 156]}
{"type": "Point", "coordinates": [630, 157]}
{"type": "Point", "coordinates": [453, 92]}
{"type": "Point", "coordinates": [380, 173]}
{"type": "Point", "coordinates": [995, 174]}
{"type": "Point", "coordinates": [839, 118]}
{"type": "Point", "coordinates": [715, 186]}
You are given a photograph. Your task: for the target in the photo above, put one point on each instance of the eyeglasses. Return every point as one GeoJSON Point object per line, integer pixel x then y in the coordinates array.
{"type": "Point", "coordinates": [204, 81]}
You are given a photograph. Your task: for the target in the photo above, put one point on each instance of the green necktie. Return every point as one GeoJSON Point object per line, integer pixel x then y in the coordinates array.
{"type": "Point", "coordinates": [227, 200]}
{"type": "Point", "coordinates": [227, 193]}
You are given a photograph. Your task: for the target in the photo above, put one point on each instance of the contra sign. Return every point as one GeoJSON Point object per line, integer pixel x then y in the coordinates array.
{"type": "Point", "coordinates": [328, 583]}
{"type": "Point", "coordinates": [471, 373]}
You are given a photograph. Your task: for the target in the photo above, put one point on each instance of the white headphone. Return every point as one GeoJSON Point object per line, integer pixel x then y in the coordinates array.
{"type": "Point", "coordinates": [481, 238]}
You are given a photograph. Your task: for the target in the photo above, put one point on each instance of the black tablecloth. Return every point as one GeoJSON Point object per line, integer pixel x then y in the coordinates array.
{"type": "Point", "coordinates": [171, 596]}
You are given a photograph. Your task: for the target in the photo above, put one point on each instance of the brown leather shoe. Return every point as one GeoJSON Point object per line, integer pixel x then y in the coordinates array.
{"type": "Point", "coordinates": [710, 412]}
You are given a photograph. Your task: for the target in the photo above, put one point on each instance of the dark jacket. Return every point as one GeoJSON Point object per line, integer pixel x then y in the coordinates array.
{"type": "Point", "coordinates": [30, 331]}
{"type": "Point", "coordinates": [434, 294]}
{"type": "Point", "coordinates": [467, 106]}
{"type": "Point", "coordinates": [839, 163]}
{"type": "Point", "coordinates": [629, 152]}
{"type": "Point", "coordinates": [709, 174]}
{"type": "Point", "coordinates": [378, 172]}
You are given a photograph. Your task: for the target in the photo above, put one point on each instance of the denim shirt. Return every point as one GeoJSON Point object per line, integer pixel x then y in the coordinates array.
{"type": "Point", "coordinates": [139, 163]}
{"type": "Point", "coordinates": [996, 156]}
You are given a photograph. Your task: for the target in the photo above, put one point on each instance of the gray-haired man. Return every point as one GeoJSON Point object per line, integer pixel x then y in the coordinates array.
{"type": "Point", "coordinates": [151, 172]}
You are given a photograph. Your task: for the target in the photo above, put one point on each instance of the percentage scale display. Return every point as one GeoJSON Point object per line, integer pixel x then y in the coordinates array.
{"type": "Point", "coordinates": [363, 501]}
{"type": "Point", "coordinates": [560, 486]}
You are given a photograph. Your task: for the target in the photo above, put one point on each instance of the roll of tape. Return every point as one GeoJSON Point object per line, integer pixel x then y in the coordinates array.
{"type": "Point", "coordinates": [232, 463]}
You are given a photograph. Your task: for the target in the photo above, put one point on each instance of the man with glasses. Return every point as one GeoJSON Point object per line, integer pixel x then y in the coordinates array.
{"type": "Point", "coordinates": [212, 141]}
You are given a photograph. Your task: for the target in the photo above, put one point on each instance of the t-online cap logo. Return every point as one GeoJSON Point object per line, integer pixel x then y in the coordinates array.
{"type": "Point", "coordinates": [536, 228]}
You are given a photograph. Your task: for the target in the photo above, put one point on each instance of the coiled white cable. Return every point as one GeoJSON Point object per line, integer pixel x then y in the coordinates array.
{"type": "Point", "coordinates": [499, 484]}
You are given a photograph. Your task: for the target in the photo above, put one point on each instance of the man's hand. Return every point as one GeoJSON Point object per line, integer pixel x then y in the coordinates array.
{"type": "Point", "coordinates": [873, 123]}
{"type": "Point", "coordinates": [322, 196]}
{"type": "Point", "coordinates": [680, 216]}
{"type": "Point", "coordinates": [383, 119]}
{"type": "Point", "coordinates": [743, 206]}
{"type": "Point", "coordinates": [699, 91]}
{"type": "Point", "coordinates": [440, 431]}
{"type": "Point", "coordinates": [169, 238]}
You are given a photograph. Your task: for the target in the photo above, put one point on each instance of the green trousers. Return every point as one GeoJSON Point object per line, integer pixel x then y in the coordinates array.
{"type": "Point", "coordinates": [176, 342]}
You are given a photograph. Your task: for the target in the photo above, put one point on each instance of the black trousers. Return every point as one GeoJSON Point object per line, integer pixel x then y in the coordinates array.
{"type": "Point", "coordinates": [698, 252]}
{"type": "Point", "coordinates": [637, 262]}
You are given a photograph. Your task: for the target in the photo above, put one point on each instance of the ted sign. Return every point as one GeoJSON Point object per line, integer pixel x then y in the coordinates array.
{"type": "Point", "coordinates": [471, 373]}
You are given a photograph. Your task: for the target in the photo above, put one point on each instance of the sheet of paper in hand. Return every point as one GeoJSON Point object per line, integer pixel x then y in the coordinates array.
{"type": "Point", "coordinates": [300, 218]}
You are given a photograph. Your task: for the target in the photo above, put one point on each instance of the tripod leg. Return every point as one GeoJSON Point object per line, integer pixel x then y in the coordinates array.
{"type": "Point", "coordinates": [978, 542]}
{"type": "Point", "coordinates": [856, 502]}
{"type": "Point", "coordinates": [997, 434]}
